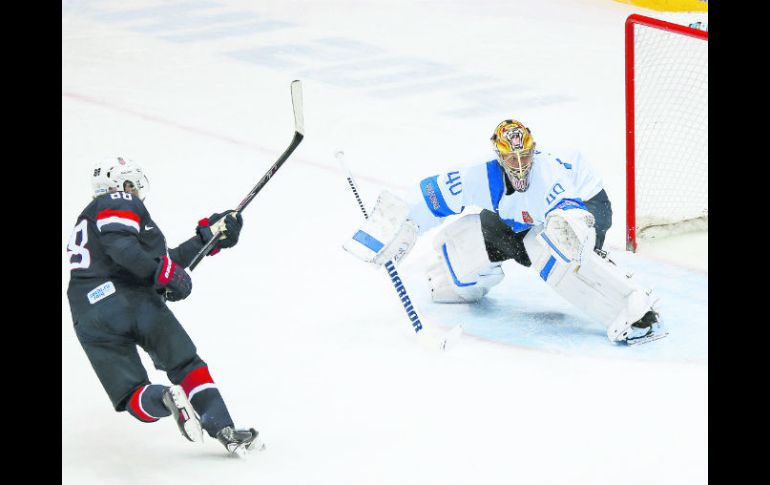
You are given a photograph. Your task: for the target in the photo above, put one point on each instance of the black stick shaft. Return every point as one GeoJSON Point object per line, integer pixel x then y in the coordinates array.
{"type": "Point", "coordinates": [390, 267]}
{"type": "Point", "coordinates": [299, 134]}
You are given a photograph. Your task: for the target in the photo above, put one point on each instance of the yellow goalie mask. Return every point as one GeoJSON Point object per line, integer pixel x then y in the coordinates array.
{"type": "Point", "coordinates": [515, 149]}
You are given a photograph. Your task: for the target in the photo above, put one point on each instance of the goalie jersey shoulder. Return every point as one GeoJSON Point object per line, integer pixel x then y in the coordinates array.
{"type": "Point", "coordinates": [554, 178]}
{"type": "Point", "coordinates": [450, 192]}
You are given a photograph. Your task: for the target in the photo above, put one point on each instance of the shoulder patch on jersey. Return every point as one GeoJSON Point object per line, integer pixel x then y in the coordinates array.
{"type": "Point", "coordinates": [433, 198]}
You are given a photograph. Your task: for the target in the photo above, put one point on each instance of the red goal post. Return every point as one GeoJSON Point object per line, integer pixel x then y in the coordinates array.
{"type": "Point", "coordinates": [666, 128]}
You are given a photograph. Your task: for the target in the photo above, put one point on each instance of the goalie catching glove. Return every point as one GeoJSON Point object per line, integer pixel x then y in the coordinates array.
{"type": "Point", "coordinates": [569, 232]}
{"type": "Point", "coordinates": [387, 235]}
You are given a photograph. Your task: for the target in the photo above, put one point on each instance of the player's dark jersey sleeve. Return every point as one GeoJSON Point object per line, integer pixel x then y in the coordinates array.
{"type": "Point", "coordinates": [119, 221]}
{"type": "Point", "coordinates": [185, 252]}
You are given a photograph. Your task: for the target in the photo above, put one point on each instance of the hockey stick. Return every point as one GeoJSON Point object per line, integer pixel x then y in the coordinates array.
{"type": "Point", "coordinates": [420, 330]}
{"type": "Point", "coordinates": [299, 134]}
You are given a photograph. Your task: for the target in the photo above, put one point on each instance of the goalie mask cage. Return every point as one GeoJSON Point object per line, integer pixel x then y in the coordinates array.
{"type": "Point", "coordinates": [666, 129]}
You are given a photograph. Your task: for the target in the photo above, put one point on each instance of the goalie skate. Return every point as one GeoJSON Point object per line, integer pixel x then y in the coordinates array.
{"type": "Point", "coordinates": [647, 329]}
{"type": "Point", "coordinates": [175, 399]}
{"type": "Point", "coordinates": [239, 442]}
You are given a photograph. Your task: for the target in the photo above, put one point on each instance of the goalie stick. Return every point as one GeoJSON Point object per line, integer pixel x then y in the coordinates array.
{"type": "Point", "coordinates": [299, 134]}
{"type": "Point", "coordinates": [424, 334]}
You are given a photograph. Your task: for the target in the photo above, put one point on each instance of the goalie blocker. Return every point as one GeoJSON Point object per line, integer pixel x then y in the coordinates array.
{"type": "Point", "coordinates": [386, 235]}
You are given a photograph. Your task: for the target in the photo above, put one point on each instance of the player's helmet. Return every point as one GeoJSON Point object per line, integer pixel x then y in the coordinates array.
{"type": "Point", "coordinates": [515, 150]}
{"type": "Point", "coordinates": [112, 174]}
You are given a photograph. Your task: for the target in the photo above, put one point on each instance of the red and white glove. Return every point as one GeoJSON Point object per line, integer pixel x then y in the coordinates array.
{"type": "Point", "coordinates": [172, 280]}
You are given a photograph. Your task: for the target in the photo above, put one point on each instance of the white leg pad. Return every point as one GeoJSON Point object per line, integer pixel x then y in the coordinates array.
{"type": "Point", "coordinates": [598, 287]}
{"type": "Point", "coordinates": [463, 272]}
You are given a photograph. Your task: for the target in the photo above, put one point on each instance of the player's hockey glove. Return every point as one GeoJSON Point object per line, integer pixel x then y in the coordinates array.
{"type": "Point", "coordinates": [172, 280]}
{"type": "Point", "coordinates": [229, 226]}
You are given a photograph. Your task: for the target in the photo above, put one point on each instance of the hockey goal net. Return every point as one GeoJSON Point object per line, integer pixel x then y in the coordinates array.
{"type": "Point", "coordinates": [666, 129]}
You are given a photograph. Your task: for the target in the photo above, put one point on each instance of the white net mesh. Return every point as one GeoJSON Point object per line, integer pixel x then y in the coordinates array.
{"type": "Point", "coordinates": [671, 131]}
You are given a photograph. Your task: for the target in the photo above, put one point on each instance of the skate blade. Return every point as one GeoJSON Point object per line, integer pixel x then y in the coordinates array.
{"type": "Point", "coordinates": [191, 426]}
{"type": "Point", "coordinates": [193, 430]}
{"type": "Point", "coordinates": [647, 338]}
{"type": "Point", "coordinates": [242, 451]}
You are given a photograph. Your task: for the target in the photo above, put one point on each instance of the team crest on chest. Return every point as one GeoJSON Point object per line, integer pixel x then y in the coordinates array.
{"type": "Point", "coordinates": [527, 218]}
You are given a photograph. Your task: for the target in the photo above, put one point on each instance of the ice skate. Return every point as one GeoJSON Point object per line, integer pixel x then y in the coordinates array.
{"type": "Point", "coordinates": [647, 329]}
{"type": "Point", "coordinates": [240, 441]}
{"type": "Point", "coordinates": [175, 399]}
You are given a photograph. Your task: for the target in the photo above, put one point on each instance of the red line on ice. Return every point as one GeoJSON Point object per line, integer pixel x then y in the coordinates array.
{"type": "Point", "coordinates": [210, 134]}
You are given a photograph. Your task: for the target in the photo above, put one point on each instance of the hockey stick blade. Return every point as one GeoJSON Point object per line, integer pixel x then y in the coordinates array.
{"type": "Point", "coordinates": [299, 134]}
{"type": "Point", "coordinates": [426, 335]}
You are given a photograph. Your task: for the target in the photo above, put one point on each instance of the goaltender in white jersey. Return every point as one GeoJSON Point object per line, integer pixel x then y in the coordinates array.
{"type": "Point", "coordinates": [547, 212]}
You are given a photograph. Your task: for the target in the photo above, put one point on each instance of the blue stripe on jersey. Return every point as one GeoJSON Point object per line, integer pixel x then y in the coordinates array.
{"type": "Point", "coordinates": [496, 183]}
{"type": "Point", "coordinates": [368, 241]}
{"type": "Point", "coordinates": [433, 198]}
{"type": "Point", "coordinates": [517, 226]}
{"type": "Point", "coordinates": [451, 270]}
{"type": "Point", "coordinates": [567, 204]}
{"type": "Point", "coordinates": [547, 268]}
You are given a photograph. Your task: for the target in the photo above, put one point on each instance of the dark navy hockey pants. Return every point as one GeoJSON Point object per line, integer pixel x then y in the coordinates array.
{"type": "Point", "coordinates": [110, 331]}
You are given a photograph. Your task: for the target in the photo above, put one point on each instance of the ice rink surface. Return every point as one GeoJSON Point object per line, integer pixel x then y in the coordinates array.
{"type": "Point", "coordinates": [312, 347]}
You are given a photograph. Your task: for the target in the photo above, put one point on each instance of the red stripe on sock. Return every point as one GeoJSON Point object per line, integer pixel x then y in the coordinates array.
{"type": "Point", "coordinates": [137, 409]}
{"type": "Point", "coordinates": [195, 378]}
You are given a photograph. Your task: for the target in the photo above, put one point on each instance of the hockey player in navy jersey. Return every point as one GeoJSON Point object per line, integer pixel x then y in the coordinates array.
{"type": "Point", "coordinates": [122, 275]}
{"type": "Point", "coordinates": [545, 211]}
